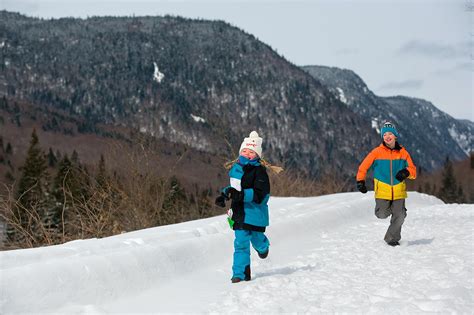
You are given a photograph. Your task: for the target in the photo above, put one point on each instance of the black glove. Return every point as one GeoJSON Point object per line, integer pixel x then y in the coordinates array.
{"type": "Point", "coordinates": [402, 175]}
{"type": "Point", "coordinates": [235, 194]}
{"type": "Point", "coordinates": [220, 201]}
{"type": "Point", "coordinates": [361, 186]}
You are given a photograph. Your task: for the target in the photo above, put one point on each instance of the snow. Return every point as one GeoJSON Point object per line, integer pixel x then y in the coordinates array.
{"type": "Point", "coordinates": [434, 113]}
{"type": "Point", "coordinates": [327, 255]}
{"type": "Point", "coordinates": [157, 75]}
{"type": "Point", "coordinates": [342, 97]}
{"type": "Point", "coordinates": [375, 125]}
{"type": "Point", "coordinates": [461, 139]}
{"type": "Point", "coordinates": [198, 119]}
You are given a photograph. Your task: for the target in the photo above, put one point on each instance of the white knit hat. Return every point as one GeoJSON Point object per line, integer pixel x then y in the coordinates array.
{"type": "Point", "coordinates": [253, 142]}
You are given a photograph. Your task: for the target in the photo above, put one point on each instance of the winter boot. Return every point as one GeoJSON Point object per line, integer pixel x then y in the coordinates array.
{"type": "Point", "coordinates": [393, 243]}
{"type": "Point", "coordinates": [246, 274]}
{"type": "Point", "coordinates": [263, 255]}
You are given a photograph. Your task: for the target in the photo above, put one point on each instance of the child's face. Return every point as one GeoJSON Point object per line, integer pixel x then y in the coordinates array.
{"type": "Point", "coordinates": [249, 154]}
{"type": "Point", "coordinates": [389, 138]}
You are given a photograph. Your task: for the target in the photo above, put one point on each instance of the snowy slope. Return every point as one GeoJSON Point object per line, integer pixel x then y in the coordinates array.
{"type": "Point", "coordinates": [327, 255]}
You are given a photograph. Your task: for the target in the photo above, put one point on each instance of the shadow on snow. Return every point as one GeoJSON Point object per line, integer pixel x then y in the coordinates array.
{"type": "Point", "coordinates": [423, 241]}
{"type": "Point", "coordinates": [284, 271]}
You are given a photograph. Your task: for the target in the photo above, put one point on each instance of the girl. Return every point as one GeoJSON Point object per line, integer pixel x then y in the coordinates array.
{"type": "Point", "coordinates": [249, 191]}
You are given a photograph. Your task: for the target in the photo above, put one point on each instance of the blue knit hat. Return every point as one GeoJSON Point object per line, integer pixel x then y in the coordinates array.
{"type": "Point", "coordinates": [388, 127]}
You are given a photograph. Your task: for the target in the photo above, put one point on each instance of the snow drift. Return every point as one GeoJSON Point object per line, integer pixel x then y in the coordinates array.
{"type": "Point", "coordinates": [314, 241]}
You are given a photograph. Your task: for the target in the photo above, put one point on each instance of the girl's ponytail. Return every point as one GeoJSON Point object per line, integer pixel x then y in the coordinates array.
{"type": "Point", "coordinates": [275, 169]}
{"type": "Point", "coordinates": [229, 164]}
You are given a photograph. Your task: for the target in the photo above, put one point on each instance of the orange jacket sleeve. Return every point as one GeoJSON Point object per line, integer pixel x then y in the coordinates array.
{"type": "Point", "coordinates": [411, 167]}
{"type": "Point", "coordinates": [365, 165]}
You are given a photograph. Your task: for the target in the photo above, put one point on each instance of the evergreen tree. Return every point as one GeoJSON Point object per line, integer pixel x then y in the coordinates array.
{"type": "Point", "coordinates": [8, 149]}
{"type": "Point", "coordinates": [61, 192]}
{"type": "Point", "coordinates": [175, 197]}
{"type": "Point", "coordinates": [101, 177]}
{"type": "Point", "coordinates": [70, 187]}
{"type": "Point", "coordinates": [33, 182]}
{"type": "Point", "coordinates": [428, 190]}
{"type": "Point", "coordinates": [17, 114]}
{"type": "Point", "coordinates": [4, 103]}
{"type": "Point", "coordinates": [204, 203]}
{"type": "Point", "coordinates": [419, 188]}
{"type": "Point", "coordinates": [2, 150]}
{"type": "Point", "coordinates": [52, 160]}
{"type": "Point", "coordinates": [62, 179]}
{"type": "Point", "coordinates": [461, 197]}
{"type": "Point", "coordinates": [449, 191]}
{"type": "Point", "coordinates": [79, 178]}
{"type": "Point", "coordinates": [32, 194]}
{"type": "Point", "coordinates": [419, 171]}
{"type": "Point", "coordinates": [75, 158]}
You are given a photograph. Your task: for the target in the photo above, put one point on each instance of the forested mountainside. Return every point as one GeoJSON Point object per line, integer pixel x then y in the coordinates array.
{"type": "Point", "coordinates": [430, 134]}
{"type": "Point", "coordinates": [205, 84]}
{"type": "Point", "coordinates": [112, 124]}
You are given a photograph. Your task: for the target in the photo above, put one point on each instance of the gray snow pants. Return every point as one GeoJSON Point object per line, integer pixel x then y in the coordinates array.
{"type": "Point", "coordinates": [396, 208]}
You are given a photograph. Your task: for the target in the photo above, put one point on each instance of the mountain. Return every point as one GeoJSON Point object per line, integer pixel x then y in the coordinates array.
{"type": "Point", "coordinates": [327, 256]}
{"type": "Point", "coordinates": [429, 134]}
{"type": "Point", "coordinates": [200, 83]}
{"type": "Point", "coordinates": [206, 85]}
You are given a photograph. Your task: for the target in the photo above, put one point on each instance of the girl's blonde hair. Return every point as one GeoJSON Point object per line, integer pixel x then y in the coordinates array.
{"type": "Point", "coordinates": [275, 169]}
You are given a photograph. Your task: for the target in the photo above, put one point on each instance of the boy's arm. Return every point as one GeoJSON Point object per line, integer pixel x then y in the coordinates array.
{"type": "Point", "coordinates": [365, 165]}
{"type": "Point", "coordinates": [411, 167]}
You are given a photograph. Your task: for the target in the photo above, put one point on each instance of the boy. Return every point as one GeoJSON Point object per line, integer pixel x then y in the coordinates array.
{"type": "Point", "coordinates": [392, 164]}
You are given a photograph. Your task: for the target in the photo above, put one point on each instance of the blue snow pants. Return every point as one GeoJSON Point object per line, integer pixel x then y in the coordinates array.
{"type": "Point", "coordinates": [242, 241]}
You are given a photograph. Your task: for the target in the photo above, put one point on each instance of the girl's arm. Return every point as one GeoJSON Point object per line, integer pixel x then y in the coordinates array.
{"type": "Point", "coordinates": [261, 187]}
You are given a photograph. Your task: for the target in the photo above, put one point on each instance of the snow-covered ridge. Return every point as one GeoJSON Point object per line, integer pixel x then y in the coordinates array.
{"type": "Point", "coordinates": [162, 269]}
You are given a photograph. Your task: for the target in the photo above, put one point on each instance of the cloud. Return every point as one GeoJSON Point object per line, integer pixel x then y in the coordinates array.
{"type": "Point", "coordinates": [436, 50]}
{"type": "Point", "coordinates": [469, 6]}
{"type": "Point", "coordinates": [402, 85]}
{"type": "Point", "coordinates": [459, 67]}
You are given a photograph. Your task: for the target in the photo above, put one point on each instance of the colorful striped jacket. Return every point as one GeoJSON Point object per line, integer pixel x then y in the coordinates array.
{"type": "Point", "coordinates": [386, 163]}
{"type": "Point", "coordinates": [251, 177]}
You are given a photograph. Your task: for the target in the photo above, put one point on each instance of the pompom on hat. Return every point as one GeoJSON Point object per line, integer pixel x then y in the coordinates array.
{"type": "Point", "coordinates": [253, 142]}
{"type": "Point", "coordinates": [388, 127]}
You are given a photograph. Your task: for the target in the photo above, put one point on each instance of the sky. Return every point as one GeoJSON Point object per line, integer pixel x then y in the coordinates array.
{"type": "Point", "coordinates": [327, 256]}
{"type": "Point", "coordinates": [416, 48]}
